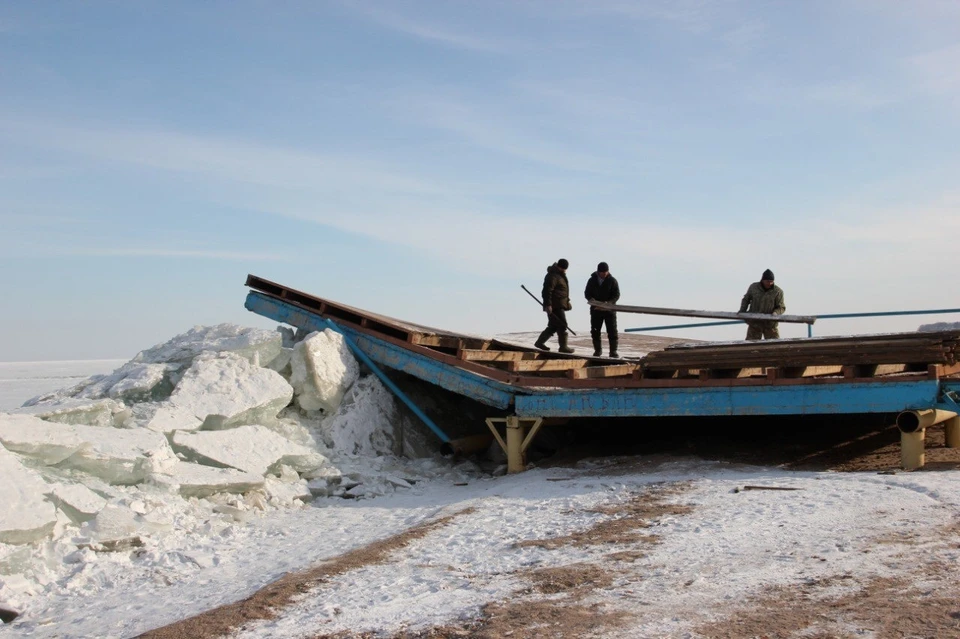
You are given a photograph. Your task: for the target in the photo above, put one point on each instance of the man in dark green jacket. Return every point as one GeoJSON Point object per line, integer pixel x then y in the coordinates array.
{"type": "Point", "coordinates": [556, 301]}
{"type": "Point", "coordinates": [603, 287]}
{"type": "Point", "coordinates": [767, 298]}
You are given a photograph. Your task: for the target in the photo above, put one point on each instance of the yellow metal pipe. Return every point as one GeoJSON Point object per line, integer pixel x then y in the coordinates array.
{"type": "Point", "coordinates": [516, 457]}
{"type": "Point", "coordinates": [951, 429]}
{"type": "Point", "coordinates": [912, 455]}
{"type": "Point", "coordinates": [911, 421]}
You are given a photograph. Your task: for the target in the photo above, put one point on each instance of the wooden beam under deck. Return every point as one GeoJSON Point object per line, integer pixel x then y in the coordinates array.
{"type": "Point", "coordinates": [597, 372]}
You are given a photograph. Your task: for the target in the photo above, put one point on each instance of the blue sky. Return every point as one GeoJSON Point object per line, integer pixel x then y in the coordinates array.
{"type": "Point", "coordinates": [423, 159]}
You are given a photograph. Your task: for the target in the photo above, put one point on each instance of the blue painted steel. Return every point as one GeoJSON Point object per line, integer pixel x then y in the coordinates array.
{"type": "Point", "coordinates": [809, 326]}
{"type": "Point", "coordinates": [487, 391]}
{"type": "Point", "coordinates": [792, 399]}
{"type": "Point", "coordinates": [784, 399]}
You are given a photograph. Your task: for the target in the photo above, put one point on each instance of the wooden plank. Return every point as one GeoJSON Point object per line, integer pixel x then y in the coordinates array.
{"type": "Point", "coordinates": [948, 370]}
{"type": "Point", "coordinates": [476, 355]}
{"type": "Point", "coordinates": [794, 372]}
{"type": "Point", "coordinates": [681, 312]}
{"type": "Point", "coordinates": [444, 341]}
{"type": "Point", "coordinates": [543, 365]}
{"type": "Point", "coordinates": [731, 373]}
{"type": "Point", "coordinates": [596, 372]}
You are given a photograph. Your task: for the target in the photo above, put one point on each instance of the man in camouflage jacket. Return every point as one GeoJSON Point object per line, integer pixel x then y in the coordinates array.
{"type": "Point", "coordinates": [767, 298]}
{"type": "Point", "coordinates": [556, 301]}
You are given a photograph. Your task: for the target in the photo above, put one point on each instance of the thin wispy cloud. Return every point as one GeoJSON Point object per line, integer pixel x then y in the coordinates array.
{"type": "Point", "coordinates": [203, 254]}
{"type": "Point", "coordinates": [490, 131]}
{"type": "Point", "coordinates": [938, 70]}
{"type": "Point", "coordinates": [422, 29]}
{"type": "Point", "coordinates": [231, 159]}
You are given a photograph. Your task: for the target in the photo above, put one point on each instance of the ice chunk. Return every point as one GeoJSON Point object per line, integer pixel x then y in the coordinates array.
{"type": "Point", "coordinates": [152, 374]}
{"type": "Point", "coordinates": [26, 515]}
{"type": "Point", "coordinates": [253, 449]}
{"type": "Point", "coordinates": [227, 390]}
{"type": "Point", "coordinates": [92, 412]}
{"type": "Point", "coordinates": [35, 438]}
{"type": "Point", "coordinates": [367, 421]}
{"type": "Point", "coordinates": [78, 502]}
{"type": "Point", "coordinates": [281, 363]}
{"type": "Point", "coordinates": [249, 343]}
{"type": "Point", "coordinates": [166, 417]}
{"type": "Point", "coordinates": [284, 493]}
{"type": "Point", "coordinates": [322, 370]}
{"type": "Point", "coordinates": [139, 382]}
{"type": "Point", "coordinates": [118, 456]}
{"type": "Point", "coordinates": [193, 480]}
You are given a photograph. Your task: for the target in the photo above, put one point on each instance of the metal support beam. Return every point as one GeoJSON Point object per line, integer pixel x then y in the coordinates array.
{"type": "Point", "coordinates": [951, 430]}
{"type": "Point", "coordinates": [912, 455]}
{"type": "Point", "coordinates": [389, 383]}
{"type": "Point", "coordinates": [518, 439]}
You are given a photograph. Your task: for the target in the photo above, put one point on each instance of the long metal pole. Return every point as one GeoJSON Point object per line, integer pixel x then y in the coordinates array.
{"type": "Point", "coordinates": [809, 327]}
{"type": "Point", "coordinates": [363, 357]}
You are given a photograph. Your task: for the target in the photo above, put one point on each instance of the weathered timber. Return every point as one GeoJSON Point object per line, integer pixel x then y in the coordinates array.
{"type": "Point", "coordinates": [730, 373]}
{"type": "Point", "coordinates": [475, 355]}
{"type": "Point", "coordinates": [595, 372]}
{"type": "Point", "coordinates": [796, 372]}
{"type": "Point", "coordinates": [543, 365]}
{"type": "Point", "coordinates": [681, 312]}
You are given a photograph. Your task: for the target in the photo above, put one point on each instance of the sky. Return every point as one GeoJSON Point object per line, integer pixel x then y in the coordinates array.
{"type": "Point", "coordinates": [423, 159]}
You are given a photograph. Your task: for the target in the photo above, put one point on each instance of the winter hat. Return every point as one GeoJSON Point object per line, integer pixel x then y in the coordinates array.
{"type": "Point", "coordinates": [602, 267]}
{"type": "Point", "coordinates": [767, 275]}
{"type": "Point", "coordinates": [562, 263]}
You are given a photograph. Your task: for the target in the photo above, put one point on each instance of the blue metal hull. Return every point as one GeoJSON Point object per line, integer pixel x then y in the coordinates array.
{"type": "Point", "coordinates": [774, 399]}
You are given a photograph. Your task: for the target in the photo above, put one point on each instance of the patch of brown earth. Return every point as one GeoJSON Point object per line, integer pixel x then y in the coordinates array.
{"type": "Point", "coordinates": [639, 512]}
{"type": "Point", "coordinates": [882, 607]}
{"type": "Point", "coordinates": [526, 619]}
{"type": "Point", "coordinates": [575, 577]}
{"type": "Point", "coordinates": [269, 601]}
{"type": "Point", "coordinates": [567, 613]}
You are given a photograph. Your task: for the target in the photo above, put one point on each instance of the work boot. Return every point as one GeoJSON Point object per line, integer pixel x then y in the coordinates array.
{"type": "Point", "coordinates": [562, 338]}
{"type": "Point", "coordinates": [541, 342]}
{"type": "Point", "coordinates": [613, 347]}
{"type": "Point", "coordinates": [597, 346]}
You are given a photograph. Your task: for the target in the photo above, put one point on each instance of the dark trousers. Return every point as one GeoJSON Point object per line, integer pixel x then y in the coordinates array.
{"type": "Point", "coordinates": [556, 323]}
{"type": "Point", "coordinates": [766, 330]}
{"type": "Point", "coordinates": [598, 319]}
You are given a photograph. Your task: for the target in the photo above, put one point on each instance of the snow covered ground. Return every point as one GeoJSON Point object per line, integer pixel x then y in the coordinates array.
{"type": "Point", "coordinates": [19, 381]}
{"type": "Point", "coordinates": [228, 459]}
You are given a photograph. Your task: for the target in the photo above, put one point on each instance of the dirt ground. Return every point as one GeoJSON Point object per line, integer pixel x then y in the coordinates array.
{"type": "Point", "coordinates": [567, 601]}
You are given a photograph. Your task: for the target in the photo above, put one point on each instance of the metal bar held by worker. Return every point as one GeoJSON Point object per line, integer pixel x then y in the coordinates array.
{"type": "Point", "coordinates": [654, 310]}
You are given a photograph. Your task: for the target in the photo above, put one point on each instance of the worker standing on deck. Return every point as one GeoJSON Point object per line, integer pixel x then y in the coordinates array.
{"type": "Point", "coordinates": [767, 298]}
{"type": "Point", "coordinates": [603, 287]}
{"type": "Point", "coordinates": [556, 301]}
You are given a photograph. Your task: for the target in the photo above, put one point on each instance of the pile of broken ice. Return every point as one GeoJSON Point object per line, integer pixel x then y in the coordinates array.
{"type": "Point", "coordinates": [233, 420]}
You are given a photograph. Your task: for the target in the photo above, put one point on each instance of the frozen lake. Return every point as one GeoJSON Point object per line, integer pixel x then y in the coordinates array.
{"type": "Point", "coordinates": [19, 381]}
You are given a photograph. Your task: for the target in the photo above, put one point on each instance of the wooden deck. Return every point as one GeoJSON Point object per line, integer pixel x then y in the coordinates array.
{"type": "Point", "coordinates": [825, 360]}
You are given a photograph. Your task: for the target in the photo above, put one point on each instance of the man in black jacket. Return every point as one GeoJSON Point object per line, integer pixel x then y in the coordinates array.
{"type": "Point", "coordinates": [603, 287]}
{"type": "Point", "coordinates": [556, 301]}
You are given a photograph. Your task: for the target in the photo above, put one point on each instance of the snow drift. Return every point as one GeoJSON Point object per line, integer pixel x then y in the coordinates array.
{"type": "Point", "coordinates": [221, 423]}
